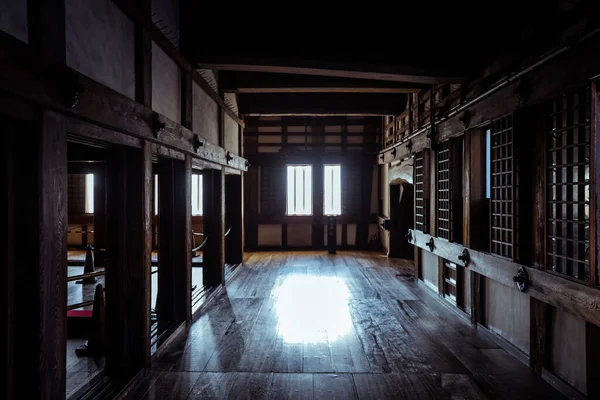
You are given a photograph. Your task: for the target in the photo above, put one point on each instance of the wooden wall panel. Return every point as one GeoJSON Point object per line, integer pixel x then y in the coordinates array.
{"type": "Point", "coordinates": [507, 313]}
{"type": "Point", "coordinates": [568, 351]}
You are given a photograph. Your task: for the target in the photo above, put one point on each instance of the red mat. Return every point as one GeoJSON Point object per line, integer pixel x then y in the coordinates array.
{"type": "Point", "coordinates": [79, 313]}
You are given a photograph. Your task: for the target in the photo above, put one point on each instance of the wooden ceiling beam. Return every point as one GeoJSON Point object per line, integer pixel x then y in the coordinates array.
{"type": "Point", "coordinates": [263, 82]}
{"type": "Point", "coordinates": [393, 73]}
{"type": "Point", "coordinates": [322, 104]}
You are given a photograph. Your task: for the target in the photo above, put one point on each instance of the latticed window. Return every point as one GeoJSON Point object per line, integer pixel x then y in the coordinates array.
{"type": "Point", "coordinates": [421, 205]}
{"type": "Point", "coordinates": [444, 195]}
{"type": "Point", "coordinates": [503, 189]}
{"type": "Point", "coordinates": [568, 190]}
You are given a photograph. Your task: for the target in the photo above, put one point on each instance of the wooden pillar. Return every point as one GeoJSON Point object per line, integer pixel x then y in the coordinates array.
{"type": "Point", "coordinates": [214, 227]}
{"type": "Point", "coordinates": [251, 202]}
{"type": "Point", "coordinates": [174, 257]}
{"type": "Point", "coordinates": [234, 252]}
{"type": "Point", "coordinates": [592, 360]}
{"type": "Point", "coordinates": [476, 226]}
{"type": "Point", "coordinates": [540, 315]}
{"type": "Point", "coordinates": [37, 287]}
{"type": "Point", "coordinates": [362, 228]}
{"type": "Point", "coordinates": [592, 332]}
{"type": "Point", "coordinates": [456, 176]}
{"type": "Point", "coordinates": [129, 184]}
{"type": "Point", "coordinates": [100, 216]}
{"type": "Point", "coordinates": [318, 220]}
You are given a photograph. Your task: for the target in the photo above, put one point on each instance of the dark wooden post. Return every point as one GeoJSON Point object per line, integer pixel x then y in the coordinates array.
{"type": "Point", "coordinates": [182, 235]}
{"type": "Point", "coordinates": [37, 277]}
{"type": "Point", "coordinates": [456, 176]}
{"type": "Point", "coordinates": [128, 288]}
{"type": "Point", "coordinates": [362, 228]}
{"type": "Point", "coordinates": [100, 216]}
{"type": "Point", "coordinates": [317, 189]}
{"type": "Point", "coordinates": [214, 227]}
{"type": "Point", "coordinates": [233, 205]}
{"type": "Point", "coordinates": [592, 360]}
{"type": "Point", "coordinates": [251, 199]}
{"type": "Point", "coordinates": [174, 257]}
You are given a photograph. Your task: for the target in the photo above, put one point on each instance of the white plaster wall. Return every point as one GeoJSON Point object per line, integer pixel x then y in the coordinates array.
{"type": "Point", "coordinates": [166, 85]}
{"type": "Point", "coordinates": [13, 18]}
{"type": "Point", "coordinates": [206, 115]}
{"type": "Point", "coordinates": [506, 312]}
{"type": "Point", "coordinates": [403, 170]}
{"type": "Point", "coordinates": [100, 43]}
{"type": "Point", "coordinates": [231, 135]}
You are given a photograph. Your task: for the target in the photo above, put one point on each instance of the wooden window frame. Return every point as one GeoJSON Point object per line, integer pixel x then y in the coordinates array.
{"type": "Point", "coordinates": [504, 204]}
{"type": "Point", "coordinates": [562, 139]}
{"type": "Point", "coordinates": [422, 186]}
{"type": "Point", "coordinates": [453, 175]}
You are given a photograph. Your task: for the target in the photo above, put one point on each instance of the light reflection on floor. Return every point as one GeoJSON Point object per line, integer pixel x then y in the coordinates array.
{"type": "Point", "coordinates": [313, 309]}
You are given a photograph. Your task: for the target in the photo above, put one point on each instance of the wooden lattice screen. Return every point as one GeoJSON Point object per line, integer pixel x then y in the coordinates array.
{"type": "Point", "coordinates": [421, 207]}
{"type": "Point", "coordinates": [568, 190]}
{"type": "Point", "coordinates": [503, 187]}
{"type": "Point", "coordinates": [444, 195]}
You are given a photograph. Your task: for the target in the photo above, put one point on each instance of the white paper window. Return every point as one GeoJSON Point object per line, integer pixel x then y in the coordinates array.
{"type": "Point", "coordinates": [299, 190]}
{"type": "Point", "coordinates": [89, 193]}
{"type": "Point", "coordinates": [196, 194]}
{"type": "Point", "coordinates": [332, 190]}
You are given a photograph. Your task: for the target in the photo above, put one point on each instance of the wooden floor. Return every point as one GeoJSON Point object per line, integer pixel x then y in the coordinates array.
{"type": "Point", "coordinates": [307, 325]}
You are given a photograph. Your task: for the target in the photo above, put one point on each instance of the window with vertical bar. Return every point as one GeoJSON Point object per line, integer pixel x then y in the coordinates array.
{"type": "Point", "coordinates": [420, 206]}
{"type": "Point", "coordinates": [568, 194]}
{"type": "Point", "coordinates": [502, 188]}
{"type": "Point", "coordinates": [299, 190]}
{"type": "Point", "coordinates": [332, 193]}
{"type": "Point", "coordinates": [444, 195]}
{"type": "Point", "coordinates": [196, 194]}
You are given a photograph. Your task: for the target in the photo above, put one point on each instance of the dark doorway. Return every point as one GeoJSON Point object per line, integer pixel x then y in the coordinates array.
{"type": "Point", "coordinates": [401, 219]}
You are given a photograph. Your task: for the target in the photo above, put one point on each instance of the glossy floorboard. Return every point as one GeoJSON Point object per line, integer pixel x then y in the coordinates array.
{"type": "Point", "coordinates": [307, 325]}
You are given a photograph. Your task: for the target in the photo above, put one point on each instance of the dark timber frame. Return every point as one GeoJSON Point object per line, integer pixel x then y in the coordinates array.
{"type": "Point", "coordinates": [37, 89]}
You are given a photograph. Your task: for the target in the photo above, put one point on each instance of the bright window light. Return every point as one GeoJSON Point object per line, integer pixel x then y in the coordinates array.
{"type": "Point", "coordinates": [299, 190]}
{"type": "Point", "coordinates": [196, 194]}
{"type": "Point", "coordinates": [155, 194]}
{"type": "Point", "coordinates": [89, 193]}
{"type": "Point", "coordinates": [332, 190]}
